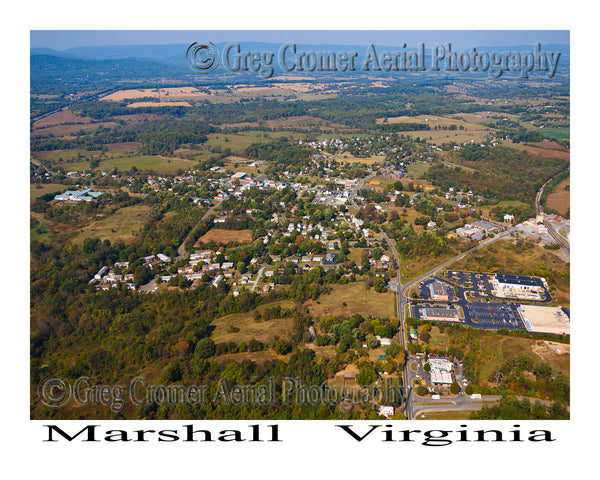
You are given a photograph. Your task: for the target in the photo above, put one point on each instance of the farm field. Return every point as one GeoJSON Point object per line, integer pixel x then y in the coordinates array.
{"type": "Point", "coordinates": [157, 163]}
{"type": "Point", "coordinates": [226, 94]}
{"type": "Point", "coordinates": [121, 225]}
{"type": "Point", "coordinates": [69, 130]}
{"type": "Point", "coordinates": [558, 133]}
{"type": "Point", "coordinates": [60, 118]}
{"type": "Point", "coordinates": [560, 198]}
{"type": "Point", "coordinates": [349, 158]}
{"type": "Point", "coordinates": [346, 300]}
{"type": "Point", "coordinates": [221, 235]}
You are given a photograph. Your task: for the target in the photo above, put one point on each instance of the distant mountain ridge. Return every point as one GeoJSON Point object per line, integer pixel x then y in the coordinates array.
{"type": "Point", "coordinates": [175, 53]}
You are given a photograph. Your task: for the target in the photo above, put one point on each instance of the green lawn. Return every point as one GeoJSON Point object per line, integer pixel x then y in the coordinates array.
{"type": "Point", "coordinates": [560, 133]}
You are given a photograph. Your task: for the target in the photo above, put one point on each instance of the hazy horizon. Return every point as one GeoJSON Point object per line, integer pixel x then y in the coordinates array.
{"type": "Point", "coordinates": [61, 40]}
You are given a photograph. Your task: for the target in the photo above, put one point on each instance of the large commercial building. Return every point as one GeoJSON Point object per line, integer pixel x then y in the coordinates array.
{"type": "Point", "coordinates": [516, 286]}
{"type": "Point", "coordinates": [86, 195]}
{"type": "Point", "coordinates": [438, 291]}
{"type": "Point", "coordinates": [440, 314]}
{"type": "Point", "coordinates": [545, 319]}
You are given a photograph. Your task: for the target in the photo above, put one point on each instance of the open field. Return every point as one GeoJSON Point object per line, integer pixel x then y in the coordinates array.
{"type": "Point", "coordinates": [357, 299]}
{"type": "Point", "coordinates": [435, 121]}
{"type": "Point", "coordinates": [264, 331]}
{"type": "Point", "coordinates": [256, 357]}
{"type": "Point", "coordinates": [156, 163]}
{"type": "Point", "coordinates": [220, 235]}
{"type": "Point", "coordinates": [412, 267]}
{"type": "Point", "coordinates": [465, 130]}
{"type": "Point", "coordinates": [349, 158]}
{"type": "Point", "coordinates": [236, 142]}
{"type": "Point", "coordinates": [159, 104]}
{"type": "Point", "coordinates": [560, 198]}
{"type": "Point", "coordinates": [121, 225]}
{"type": "Point", "coordinates": [161, 93]}
{"type": "Point", "coordinates": [416, 171]}
{"type": "Point", "coordinates": [492, 350]}
{"type": "Point", "coordinates": [35, 192]}
{"type": "Point", "coordinates": [535, 149]}
{"type": "Point", "coordinates": [66, 130]}
{"type": "Point", "coordinates": [61, 118]}
{"type": "Point", "coordinates": [226, 94]}
{"type": "Point", "coordinates": [559, 133]}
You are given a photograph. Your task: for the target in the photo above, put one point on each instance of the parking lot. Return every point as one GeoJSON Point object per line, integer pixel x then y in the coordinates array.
{"type": "Point", "coordinates": [480, 284]}
{"type": "Point", "coordinates": [494, 315]}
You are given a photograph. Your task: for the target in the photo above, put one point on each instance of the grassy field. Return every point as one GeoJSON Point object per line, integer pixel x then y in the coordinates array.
{"type": "Point", "coordinates": [121, 225]}
{"type": "Point", "coordinates": [493, 350]}
{"type": "Point", "coordinates": [220, 235]}
{"type": "Point", "coordinates": [560, 133]}
{"type": "Point", "coordinates": [357, 299]}
{"type": "Point", "coordinates": [471, 129]}
{"type": "Point", "coordinates": [417, 170]}
{"type": "Point", "coordinates": [35, 192]}
{"type": "Point", "coordinates": [349, 158]}
{"type": "Point", "coordinates": [236, 142]}
{"type": "Point", "coordinates": [264, 331]}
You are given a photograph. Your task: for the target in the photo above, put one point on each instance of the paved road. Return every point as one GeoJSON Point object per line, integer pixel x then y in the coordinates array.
{"type": "Point", "coordinates": [258, 275]}
{"type": "Point", "coordinates": [401, 301]}
{"type": "Point", "coordinates": [460, 402]}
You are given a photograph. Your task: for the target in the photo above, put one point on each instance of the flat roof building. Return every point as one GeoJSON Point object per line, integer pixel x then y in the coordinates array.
{"type": "Point", "coordinates": [517, 286]}
{"type": "Point", "coordinates": [545, 319]}
{"type": "Point", "coordinates": [440, 314]}
{"type": "Point", "coordinates": [438, 291]}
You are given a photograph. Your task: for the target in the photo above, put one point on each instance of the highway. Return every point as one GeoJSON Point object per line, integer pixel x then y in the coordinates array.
{"type": "Point", "coordinates": [409, 410]}
{"type": "Point", "coordinates": [462, 401]}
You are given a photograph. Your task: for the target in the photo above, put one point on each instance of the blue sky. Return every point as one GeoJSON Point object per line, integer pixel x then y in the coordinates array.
{"type": "Point", "coordinates": [65, 39]}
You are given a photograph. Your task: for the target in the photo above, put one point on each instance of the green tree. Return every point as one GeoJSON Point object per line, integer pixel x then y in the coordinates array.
{"type": "Point", "coordinates": [205, 348]}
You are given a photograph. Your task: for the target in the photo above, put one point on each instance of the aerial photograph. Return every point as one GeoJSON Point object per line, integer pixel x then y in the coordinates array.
{"type": "Point", "coordinates": [299, 225]}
